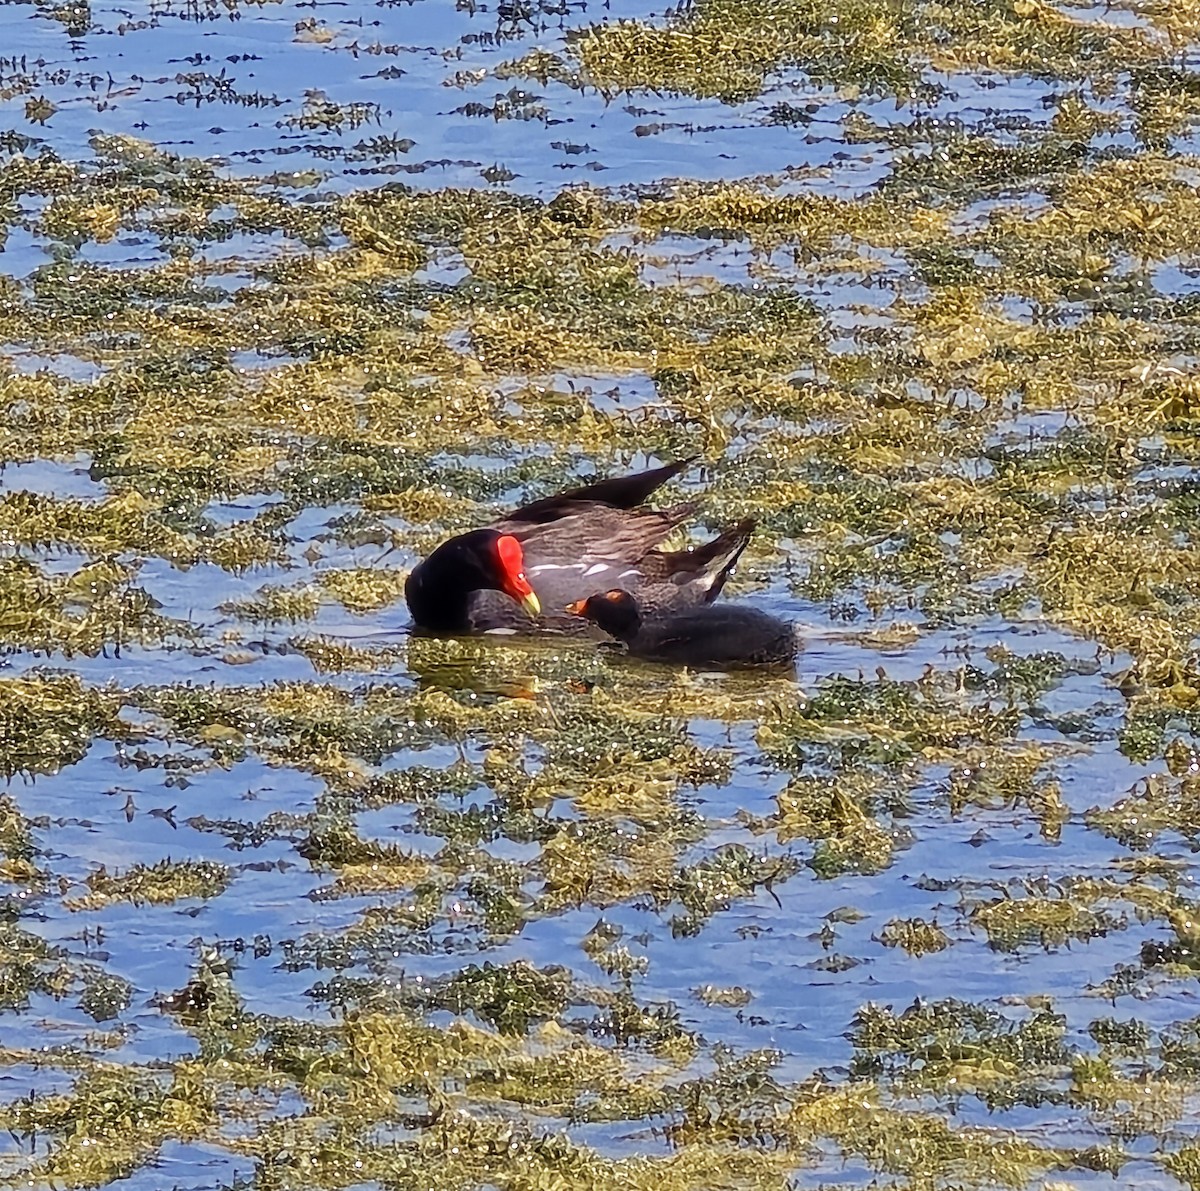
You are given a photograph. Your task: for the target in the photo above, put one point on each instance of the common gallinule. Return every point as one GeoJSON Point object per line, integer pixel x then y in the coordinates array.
{"type": "Point", "coordinates": [519, 573]}
{"type": "Point", "coordinates": [711, 635]}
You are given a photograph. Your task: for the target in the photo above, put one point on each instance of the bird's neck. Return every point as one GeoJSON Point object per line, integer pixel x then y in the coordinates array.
{"type": "Point", "coordinates": [439, 596]}
{"type": "Point", "coordinates": [627, 629]}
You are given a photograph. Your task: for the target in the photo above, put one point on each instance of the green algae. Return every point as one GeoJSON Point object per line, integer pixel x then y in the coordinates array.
{"type": "Point", "coordinates": [1013, 922]}
{"type": "Point", "coordinates": [16, 840]}
{"type": "Point", "coordinates": [30, 966]}
{"type": "Point", "coordinates": [33, 970]}
{"type": "Point", "coordinates": [97, 608]}
{"type": "Point", "coordinates": [158, 884]}
{"type": "Point", "coordinates": [915, 935]}
{"type": "Point", "coordinates": [1164, 804]}
{"type": "Point", "coordinates": [713, 882]}
{"type": "Point", "coordinates": [112, 1122]}
{"type": "Point", "coordinates": [275, 605]}
{"type": "Point", "coordinates": [836, 813]}
{"type": "Point", "coordinates": [898, 464]}
{"type": "Point", "coordinates": [48, 722]}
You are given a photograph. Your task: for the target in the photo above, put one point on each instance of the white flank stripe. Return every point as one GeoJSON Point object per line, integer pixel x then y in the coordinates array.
{"type": "Point", "coordinates": [554, 566]}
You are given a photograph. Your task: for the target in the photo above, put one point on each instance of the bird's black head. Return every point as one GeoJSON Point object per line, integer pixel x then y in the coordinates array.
{"type": "Point", "coordinates": [438, 590]}
{"type": "Point", "coordinates": [616, 612]}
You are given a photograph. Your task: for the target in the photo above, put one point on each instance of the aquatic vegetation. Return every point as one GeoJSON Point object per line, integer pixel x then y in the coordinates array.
{"type": "Point", "coordinates": [17, 847]}
{"type": "Point", "coordinates": [167, 881]}
{"type": "Point", "coordinates": [364, 590]}
{"type": "Point", "coordinates": [915, 935]}
{"type": "Point", "coordinates": [1011, 922]}
{"type": "Point", "coordinates": [492, 893]}
{"type": "Point", "coordinates": [1162, 804]}
{"type": "Point", "coordinates": [98, 607]}
{"type": "Point", "coordinates": [48, 722]}
{"type": "Point", "coordinates": [835, 814]}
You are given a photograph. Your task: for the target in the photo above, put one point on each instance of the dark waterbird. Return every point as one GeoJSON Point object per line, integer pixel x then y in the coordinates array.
{"type": "Point", "coordinates": [520, 572]}
{"type": "Point", "coordinates": [723, 636]}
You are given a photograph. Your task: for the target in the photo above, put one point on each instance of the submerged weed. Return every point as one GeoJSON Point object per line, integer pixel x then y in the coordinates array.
{"type": "Point", "coordinates": [49, 721]}
{"type": "Point", "coordinates": [157, 884]}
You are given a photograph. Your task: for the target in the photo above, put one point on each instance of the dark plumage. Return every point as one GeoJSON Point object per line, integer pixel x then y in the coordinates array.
{"type": "Point", "coordinates": [565, 548]}
{"type": "Point", "coordinates": [711, 635]}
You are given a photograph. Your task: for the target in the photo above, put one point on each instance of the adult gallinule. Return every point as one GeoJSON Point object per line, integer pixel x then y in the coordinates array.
{"type": "Point", "coordinates": [711, 635]}
{"type": "Point", "coordinates": [519, 573]}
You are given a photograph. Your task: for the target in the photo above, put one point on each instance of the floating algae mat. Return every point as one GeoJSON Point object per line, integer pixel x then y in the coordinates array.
{"type": "Point", "coordinates": [291, 292]}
